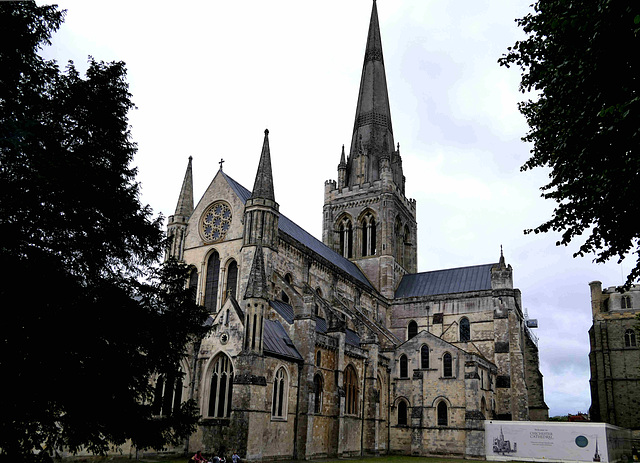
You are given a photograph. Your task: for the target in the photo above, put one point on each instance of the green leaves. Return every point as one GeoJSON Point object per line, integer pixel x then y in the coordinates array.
{"type": "Point", "coordinates": [96, 317]}
{"type": "Point", "coordinates": [584, 124]}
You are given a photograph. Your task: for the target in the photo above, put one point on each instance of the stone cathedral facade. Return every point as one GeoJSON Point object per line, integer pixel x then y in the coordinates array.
{"type": "Point", "coordinates": [340, 347]}
{"type": "Point", "coordinates": [614, 356]}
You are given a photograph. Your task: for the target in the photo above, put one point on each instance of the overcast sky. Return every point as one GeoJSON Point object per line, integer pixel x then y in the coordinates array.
{"type": "Point", "coordinates": [209, 76]}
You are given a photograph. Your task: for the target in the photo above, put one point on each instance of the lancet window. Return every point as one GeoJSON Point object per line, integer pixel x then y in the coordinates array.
{"type": "Point", "coordinates": [346, 238]}
{"type": "Point", "coordinates": [211, 282]}
{"type": "Point", "coordinates": [317, 389]}
{"type": "Point", "coordinates": [424, 357]}
{"type": "Point", "coordinates": [193, 283]}
{"type": "Point", "coordinates": [465, 330]}
{"type": "Point", "coordinates": [402, 413]}
{"type": "Point", "coordinates": [404, 366]}
{"type": "Point", "coordinates": [168, 393]}
{"type": "Point", "coordinates": [412, 330]}
{"type": "Point", "coordinates": [351, 390]}
{"type": "Point", "coordinates": [443, 418]}
{"type": "Point", "coordinates": [232, 279]}
{"type": "Point", "coordinates": [280, 395]}
{"type": "Point", "coordinates": [221, 387]}
{"type": "Point", "coordinates": [447, 365]}
{"type": "Point", "coordinates": [368, 235]}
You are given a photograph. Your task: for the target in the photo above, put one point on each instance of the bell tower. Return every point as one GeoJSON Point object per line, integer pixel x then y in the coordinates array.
{"type": "Point", "coordinates": [366, 216]}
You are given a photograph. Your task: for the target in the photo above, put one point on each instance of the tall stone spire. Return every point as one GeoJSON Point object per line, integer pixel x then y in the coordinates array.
{"type": "Point", "coordinates": [261, 209]}
{"type": "Point", "coordinates": [185, 200]}
{"type": "Point", "coordinates": [177, 223]}
{"type": "Point", "coordinates": [372, 138]}
{"type": "Point", "coordinates": [263, 185]}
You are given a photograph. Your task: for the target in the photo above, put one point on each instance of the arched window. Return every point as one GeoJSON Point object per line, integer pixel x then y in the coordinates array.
{"type": "Point", "coordinates": [629, 338]}
{"type": "Point", "coordinates": [168, 393]}
{"type": "Point", "coordinates": [483, 408]}
{"type": "Point", "coordinates": [221, 386]}
{"type": "Point", "coordinates": [232, 279]}
{"type": "Point", "coordinates": [424, 357]}
{"type": "Point", "coordinates": [346, 238]}
{"type": "Point", "coordinates": [443, 419]}
{"type": "Point", "coordinates": [404, 366]}
{"type": "Point", "coordinates": [280, 395]}
{"type": "Point", "coordinates": [351, 390]}
{"type": "Point", "coordinates": [447, 367]}
{"type": "Point", "coordinates": [406, 246]}
{"type": "Point", "coordinates": [283, 296]}
{"type": "Point", "coordinates": [412, 329]}
{"type": "Point", "coordinates": [625, 302]}
{"type": "Point", "coordinates": [399, 241]}
{"type": "Point", "coordinates": [193, 283]}
{"type": "Point", "coordinates": [317, 389]}
{"type": "Point", "coordinates": [318, 358]}
{"type": "Point", "coordinates": [211, 285]}
{"type": "Point", "coordinates": [402, 413]}
{"type": "Point", "coordinates": [368, 235]}
{"type": "Point", "coordinates": [465, 330]}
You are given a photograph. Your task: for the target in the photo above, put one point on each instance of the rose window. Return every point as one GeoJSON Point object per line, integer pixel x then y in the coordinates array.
{"type": "Point", "coordinates": [216, 221]}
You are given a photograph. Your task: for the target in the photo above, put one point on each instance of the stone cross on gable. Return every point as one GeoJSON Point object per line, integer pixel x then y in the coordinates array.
{"type": "Point", "coordinates": [221, 161]}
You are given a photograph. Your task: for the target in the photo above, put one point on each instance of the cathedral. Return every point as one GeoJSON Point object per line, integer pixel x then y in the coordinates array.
{"type": "Point", "coordinates": [341, 347]}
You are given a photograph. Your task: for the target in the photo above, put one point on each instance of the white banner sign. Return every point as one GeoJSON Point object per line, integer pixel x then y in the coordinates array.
{"type": "Point", "coordinates": [555, 441]}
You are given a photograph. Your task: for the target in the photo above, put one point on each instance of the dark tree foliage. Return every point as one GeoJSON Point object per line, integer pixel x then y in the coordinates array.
{"type": "Point", "coordinates": [580, 58]}
{"type": "Point", "coordinates": [88, 316]}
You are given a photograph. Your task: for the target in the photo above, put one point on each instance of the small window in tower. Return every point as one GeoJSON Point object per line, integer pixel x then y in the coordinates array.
{"type": "Point", "coordinates": [629, 338]}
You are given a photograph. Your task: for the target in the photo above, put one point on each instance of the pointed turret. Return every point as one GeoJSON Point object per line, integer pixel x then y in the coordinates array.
{"type": "Point", "coordinates": [501, 274]}
{"type": "Point", "coordinates": [261, 209]}
{"type": "Point", "coordinates": [342, 170]}
{"type": "Point", "coordinates": [185, 200]}
{"type": "Point", "coordinates": [256, 299]}
{"type": "Point", "coordinates": [372, 138]}
{"type": "Point", "coordinates": [177, 223]}
{"type": "Point", "coordinates": [257, 282]}
{"type": "Point", "coordinates": [263, 185]}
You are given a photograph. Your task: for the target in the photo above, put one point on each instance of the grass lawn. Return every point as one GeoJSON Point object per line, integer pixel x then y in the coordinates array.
{"type": "Point", "coordinates": [382, 459]}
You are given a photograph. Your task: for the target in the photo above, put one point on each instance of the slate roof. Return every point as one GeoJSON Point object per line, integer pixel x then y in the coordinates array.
{"type": "Point", "coordinates": [276, 341]}
{"type": "Point", "coordinates": [352, 338]}
{"type": "Point", "coordinates": [306, 239]}
{"type": "Point", "coordinates": [284, 309]}
{"type": "Point", "coordinates": [449, 281]}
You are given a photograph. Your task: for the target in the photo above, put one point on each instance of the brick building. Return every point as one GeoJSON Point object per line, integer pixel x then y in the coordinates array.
{"type": "Point", "coordinates": [338, 347]}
